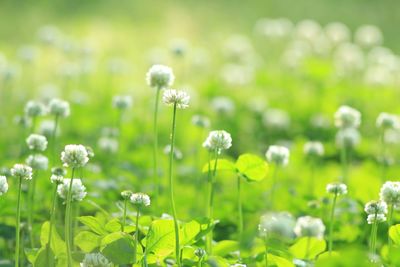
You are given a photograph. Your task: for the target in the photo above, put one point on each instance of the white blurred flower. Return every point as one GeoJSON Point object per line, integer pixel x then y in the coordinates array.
{"type": "Point", "coordinates": [368, 36]}
{"type": "Point", "coordinates": [22, 171]}
{"type": "Point", "coordinates": [347, 117]}
{"type": "Point", "coordinates": [390, 193]}
{"type": "Point", "coordinates": [160, 76]}
{"type": "Point", "coordinates": [74, 156]}
{"type": "Point", "coordinates": [122, 102]}
{"type": "Point", "coordinates": [3, 185]}
{"type": "Point", "coordinates": [378, 76]}
{"type": "Point", "coordinates": [34, 109]}
{"type": "Point", "coordinates": [56, 179]}
{"type": "Point", "coordinates": [179, 47]}
{"type": "Point", "coordinates": [177, 153]}
{"type": "Point", "coordinates": [49, 34]}
{"type": "Point", "coordinates": [27, 53]}
{"type": "Point", "coordinates": [78, 190]}
{"type": "Point", "coordinates": [314, 149]}
{"type": "Point", "coordinates": [217, 141]}
{"type": "Point", "coordinates": [95, 260]}
{"type": "Point", "coordinates": [58, 107]}
{"type": "Point", "coordinates": [223, 105]}
{"type": "Point", "coordinates": [108, 145]}
{"type": "Point", "coordinates": [276, 119]}
{"type": "Point", "coordinates": [348, 59]}
{"type": "Point", "coordinates": [38, 162]}
{"type": "Point", "coordinates": [347, 137]}
{"type": "Point", "coordinates": [337, 32]}
{"type": "Point", "coordinates": [376, 207]}
{"type": "Point", "coordinates": [308, 30]}
{"type": "Point", "coordinates": [336, 188]}
{"type": "Point", "coordinates": [140, 199]}
{"type": "Point", "coordinates": [372, 218]}
{"type": "Point", "coordinates": [310, 227]}
{"type": "Point", "coordinates": [201, 121]}
{"type": "Point", "coordinates": [388, 121]}
{"type": "Point", "coordinates": [274, 28]}
{"type": "Point", "coordinates": [278, 155]}
{"type": "Point", "coordinates": [126, 194]}
{"type": "Point", "coordinates": [36, 142]}
{"type": "Point", "coordinates": [277, 225]}
{"type": "Point", "coordinates": [46, 128]}
{"type": "Point", "coordinates": [173, 97]}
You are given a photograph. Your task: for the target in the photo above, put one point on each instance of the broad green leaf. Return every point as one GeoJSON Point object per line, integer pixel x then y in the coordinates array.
{"type": "Point", "coordinates": [94, 224]}
{"type": "Point", "coordinates": [118, 247]}
{"type": "Point", "coordinates": [224, 247]}
{"type": "Point", "coordinates": [280, 261]}
{"type": "Point", "coordinates": [194, 230]}
{"type": "Point", "coordinates": [57, 244]}
{"type": "Point", "coordinates": [222, 165]}
{"type": "Point", "coordinates": [45, 257]}
{"type": "Point", "coordinates": [252, 167]}
{"type": "Point", "coordinates": [115, 226]}
{"type": "Point", "coordinates": [394, 233]}
{"type": "Point", "coordinates": [87, 241]}
{"type": "Point", "coordinates": [308, 248]}
{"type": "Point", "coordinates": [160, 239]}
{"type": "Point", "coordinates": [31, 254]}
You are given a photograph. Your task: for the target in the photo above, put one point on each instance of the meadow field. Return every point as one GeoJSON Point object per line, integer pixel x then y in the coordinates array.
{"type": "Point", "coordinates": [200, 133]}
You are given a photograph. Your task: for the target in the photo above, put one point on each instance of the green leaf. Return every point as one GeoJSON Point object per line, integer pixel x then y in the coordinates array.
{"type": "Point", "coordinates": [394, 233]}
{"type": "Point", "coordinates": [118, 247]}
{"type": "Point", "coordinates": [44, 258]}
{"type": "Point", "coordinates": [224, 247]}
{"type": "Point", "coordinates": [57, 244]}
{"type": "Point", "coordinates": [308, 248]}
{"type": "Point", "coordinates": [87, 241]}
{"type": "Point", "coordinates": [94, 224]}
{"type": "Point", "coordinates": [194, 230]}
{"type": "Point", "coordinates": [115, 226]}
{"type": "Point", "coordinates": [160, 239]}
{"type": "Point", "coordinates": [280, 261]}
{"type": "Point", "coordinates": [31, 254]}
{"type": "Point", "coordinates": [217, 261]}
{"type": "Point", "coordinates": [252, 167]}
{"type": "Point", "coordinates": [222, 165]}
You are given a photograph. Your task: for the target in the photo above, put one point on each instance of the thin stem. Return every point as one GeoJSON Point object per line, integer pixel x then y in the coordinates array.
{"type": "Point", "coordinates": [136, 234]}
{"type": "Point", "coordinates": [240, 211]}
{"type": "Point", "coordinates": [155, 149]}
{"type": "Point", "coordinates": [53, 138]}
{"type": "Point", "coordinates": [124, 216]}
{"type": "Point", "coordinates": [390, 218]}
{"type": "Point", "coordinates": [68, 221]}
{"type": "Point", "coordinates": [383, 155]}
{"type": "Point", "coordinates": [374, 231]}
{"type": "Point", "coordinates": [52, 217]}
{"type": "Point", "coordinates": [17, 231]}
{"type": "Point", "coordinates": [344, 162]}
{"type": "Point", "coordinates": [171, 187]}
{"type": "Point", "coordinates": [307, 247]}
{"type": "Point", "coordinates": [31, 197]}
{"type": "Point", "coordinates": [332, 218]}
{"type": "Point", "coordinates": [209, 237]}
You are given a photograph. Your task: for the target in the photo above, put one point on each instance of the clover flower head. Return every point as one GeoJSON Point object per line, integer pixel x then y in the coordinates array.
{"type": "Point", "coordinates": [347, 117]}
{"type": "Point", "coordinates": [3, 185]}
{"type": "Point", "coordinates": [35, 109]}
{"type": "Point", "coordinates": [56, 179]}
{"type": "Point", "coordinates": [36, 142]}
{"type": "Point", "coordinates": [74, 156]}
{"type": "Point", "coordinates": [58, 171]}
{"type": "Point", "coordinates": [278, 155]}
{"type": "Point", "coordinates": [199, 252]}
{"type": "Point", "coordinates": [376, 207]}
{"type": "Point", "coordinates": [314, 149]}
{"type": "Point", "coordinates": [387, 121]}
{"type": "Point", "coordinates": [46, 128]}
{"type": "Point", "coordinates": [108, 145]}
{"type": "Point", "coordinates": [122, 102]}
{"type": "Point", "coordinates": [140, 199]}
{"type": "Point", "coordinates": [217, 141]}
{"type": "Point", "coordinates": [390, 193]}
{"type": "Point", "coordinates": [277, 225]}
{"type": "Point", "coordinates": [78, 190]}
{"type": "Point", "coordinates": [160, 76]}
{"type": "Point", "coordinates": [177, 152]}
{"type": "Point", "coordinates": [337, 32]}
{"type": "Point", "coordinates": [179, 98]}
{"type": "Point", "coordinates": [22, 171]}
{"type": "Point", "coordinates": [95, 260]}
{"type": "Point", "coordinates": [336, 188]}
{"type": "Point", "coordinates": [38, 162]}
{"type": "Point", "coordinates": [368, 36]}
{"type": "Point", "coordinates": [126, 194]}
{"type": "Point", "coordinates": [379, 217]}
{"type": "Point", "coordinates": [58, 107]}
{"type": "Point", "coordinates": [309, 226]}
{"type": "Point", "coordinates": [348, 137]}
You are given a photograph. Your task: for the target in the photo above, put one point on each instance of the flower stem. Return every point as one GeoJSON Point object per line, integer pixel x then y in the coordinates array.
{"type": "Point", "coordinates": [390, 218]}
{"type": "Point", "coordinates": [373, 236]}
{"type": "Point", "coordinates": [31, 197]}
{"type": "Point", "coordinates": [52, 216]}
{"type": "Point", "coordinates": [266, 252]}
{"type": "Point", "coordinates": [124, 216]}
{"type": "Point", "coordinates": [136, 234]}
{"type": "Point", "coordinates": [344, 162]}
{"type": "Point", "coordinates": [312, 177]}
{"type": "Point", "coordinates": [383, 155]}
{"type": "Point", "coordinates": [155, 149]}
{"type": "Point", "coordinates": [240, 211]}
{"type": "Point", "coordinates": [67, 223]}
{"type": "Point", "coordinates": [53, 139]}
{"type": "Point", "coordinates": [308, 247]}
{"type": "Point", "coordinates": [171, 187]}
{"type": "Point", "coordinates": [211, 202]}
{"type": "Point", "coordinates": [331, 219]}
{"type": "Point", "coordinates": [17, 232]}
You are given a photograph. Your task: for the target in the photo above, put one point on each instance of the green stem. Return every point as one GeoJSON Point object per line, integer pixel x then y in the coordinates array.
{"type": "Point", "coordinates": [308, 247]}
{"type": "Point", "coordinates": [53, 139]}
{"type": "Point", "coordinates": [136, 234]}
{"type": "Point", "coordinates": [374, 231]}
{"type": "Point", "coordinates": [171, 187]}
{"type": "Point", "coordinates": [332, 218]}
{"type": "Point", "coordinates": [31, 197]}
{"type": "Point", "coordinates": [240, 211]}
{"type": "Point", "coordinates": [344, 162]}
{"type": "Point", "coordinates": [67, 223]}
{"type": "Point", "coordinates": [155, 149]}
{"type": "Point", "coordinates": [312, 177]}
{"type": "Point", "coordinates": [17, 231]}
{"type": "Point", "coordinates": [209, 237]}
{"type": "Point", "coordinates": [124, 216]}
{"type": "Point", "coordinates": [390, 218]}
{"type": "Point", "coordinates": [266, 252]}
{"type": "Point", "coordinates": [383, 155]}
{"type": "Point", "coordinates": [52, 216]}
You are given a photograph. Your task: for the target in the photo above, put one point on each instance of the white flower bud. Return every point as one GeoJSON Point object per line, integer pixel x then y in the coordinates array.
{"type": "Point", "coordinates": [36, 142]}
{"type": "Point", "coordinates": [218, 140]}
{"type": "Point", "coordinates": [387, 121]}
{"type": "Point", "coordinates": [126, 194]}
{"type": "Point", "coordinates": [34, 109]}
{"type": "Point", "coordinates": [58, 107]}
{"type": "Point", "coordinates": [3, 185]}
{"type": "Point", "coordinates": [122, 102]}
{"type": "Point", "coordinates": [347, 137]}
{"type": "Point", "coordinates": [347, 117]}
{"type": "Point", "coordinates": [140, 199]}
{"type": "Point", "coordinates": [160, 77]}
{"type": "Point", "coordinates": [314, 149]}
{"type": "Point", "coordinates": [278, 155]}
{"type": "Point", "coordinates": [57, 179]}
{"type": "Point", "coordinates": [336, 188]}
{"type": "Point", "coordinates": [376, 207]}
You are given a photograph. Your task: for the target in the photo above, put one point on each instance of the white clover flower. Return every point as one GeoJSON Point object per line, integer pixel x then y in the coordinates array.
{"type": "Point", "coordinates": [140, 199]}
{"type": "Point", "coordinates": [276, 119]}
{"type": "Point", "coordinates": [309, 226]}
{"type": "Point", "coordinates": [278, 155]}
{"type": "Point", "coordinates": [122, 102]}
{"type": "Point", "coordinates": [217, 141]}
{"type": "Point", "coordinates": [78, 191]}
{"type": "Point", "coordinates": [177, 152]}
{"type": "Point", "coordinates": [277, 225]}
{"type": "Point", "coordinates": [308, 30]}
{"type": "Point", "coordinates": [126, 194]}
{"type": "Point", "coordinates": [34, 109]}
{"type": "Point", "coordinates": [347, 117]}
{"type": "Point", "coordinates": [390, 193]}
{"type": "Point", "coordinates": [38, 162]}
{"type": "Point", "coordinates": [201, 121]}
{"type": "Point", "coordinates": [347, 137]}
{"type": "Point", "coordinates": [160, 76]}
{"type": "Point", "coordinates": [223, 105]}
{"type": "Point", "coordinates": [274, 28]}
{"type": "Point", "coordinates": [27, 53]}
{"type": "Point", "coordinates": [173, 97]}
{"type": "Point", "coordinates": [36, 142]}
{"type": "Point", "coordinates": [22, 171]}
{"type": "Point", "coordinates": [95, 260]}
{"type": "Point", "coordinates": [348, 59]}
{"type": "Point", "coordinates": [74, 156]}
{"type": "Point", "coordinates": [46, 128]}
{"type": "Point", "coordinates": [376, 207]}
{"type": "Point", "coordinates": [379, 217]}
{"type": "Point", "coordinates": [57, 179]}
{"type": "Point", "coordinates": [58, 107]}
{"type": "Point", "coordinates": [337, 32]}
{"type": "Point", "coordinates": [336, 188]}
{"type": "Point", "coordinates": [368, 36]}
{"type": "Point", "coordinates": [3, 185]}
{"type": "Point", "coordinates": [58, 171]}
{"type": "Point", "coordinates": [314, 149]}
{"type": "Point", "coordinates": [387, 121]}
{"type": "Point", "coordinates": [107, 144]}
{"type": "Point", "coordinates": [49, 34]}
